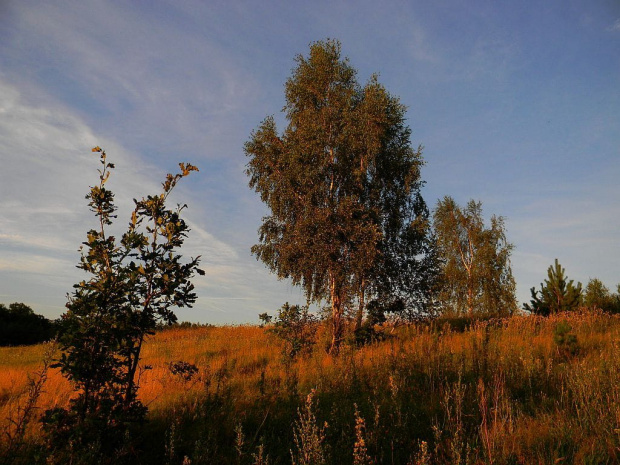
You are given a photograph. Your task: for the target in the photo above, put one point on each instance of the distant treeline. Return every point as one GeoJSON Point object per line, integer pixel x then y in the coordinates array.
{"type": "Point", "coordinates": [20, 325]}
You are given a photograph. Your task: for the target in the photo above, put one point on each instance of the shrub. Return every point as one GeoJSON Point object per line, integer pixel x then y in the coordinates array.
{"type": "Point", "coordinates": [297, 327]}
{"type": "Point", "coordinates": [182, 369]}
{"type": "Point", "coordinates": [565, 340]}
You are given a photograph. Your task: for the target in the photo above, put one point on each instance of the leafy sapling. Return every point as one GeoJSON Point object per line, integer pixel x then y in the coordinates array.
{"type": "Point", "coordinates": [133, 286]}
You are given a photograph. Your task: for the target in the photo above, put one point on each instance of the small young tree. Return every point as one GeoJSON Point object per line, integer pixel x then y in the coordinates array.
{"type": "Point", "coordinates": [133, 285]}
{"type": "Point", "coordinates": [476, 276]}
{"type": "Point", "coordinates": [296, 326]}
{"type": "Point", "coordinates": [557, 294]}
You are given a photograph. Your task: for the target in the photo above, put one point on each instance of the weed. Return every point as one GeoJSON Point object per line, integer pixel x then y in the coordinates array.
{"type": "Point", "coordinates": [495, 393]}
{"type": "Point", "coordinates": [309, 437]}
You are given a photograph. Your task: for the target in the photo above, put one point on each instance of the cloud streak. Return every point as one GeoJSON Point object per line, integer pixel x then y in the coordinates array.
{"type": "Point", "coordinates": [47, 169]}
{"type": "Point", "coordinates": [516, 105]}
{"type": "Point", "coordinates": [44, 220]}
{"type": "Point", "coordinates": [615, 27]}
{"type": "Point", "coordinates": [166, 81]}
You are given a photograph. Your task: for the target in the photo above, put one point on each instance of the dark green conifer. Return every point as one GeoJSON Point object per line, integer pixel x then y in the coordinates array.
{"type": "Point", "coordinates": [557, 294]}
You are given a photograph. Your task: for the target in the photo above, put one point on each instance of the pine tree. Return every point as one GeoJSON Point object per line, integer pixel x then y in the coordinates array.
{"type": "Point", "coordinates": [557, 294]}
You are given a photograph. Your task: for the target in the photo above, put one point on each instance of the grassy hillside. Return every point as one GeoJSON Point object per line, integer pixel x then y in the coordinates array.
{"type": "Point", "coordinates": [522, 390]}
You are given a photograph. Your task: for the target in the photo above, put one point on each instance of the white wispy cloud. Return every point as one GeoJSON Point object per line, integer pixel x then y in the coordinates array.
{"type": "Point", "coordinates": [33, 263]}
{"type": "Point", "coordinates": [175, 90]}
{"type": "Point", "coordinates": [421, 47]}
{"type": "Point", "coordinates": [47, 170]}
{"type": "Point", "coordinates": [156, 87]}
{"type": "Point", "coordinates": [615, 27]}
{"type": "Point", "coordinates": [577, 226]}
{"type": "Point", "coordinates": [187, 81]}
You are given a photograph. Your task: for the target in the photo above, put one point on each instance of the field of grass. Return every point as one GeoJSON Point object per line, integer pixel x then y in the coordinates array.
{"type": "Point", "coordinates": [522, 390]}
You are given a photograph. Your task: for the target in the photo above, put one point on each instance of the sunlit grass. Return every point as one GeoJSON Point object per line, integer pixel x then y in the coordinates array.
{"type": "Point", "coordinates": [498, 392]}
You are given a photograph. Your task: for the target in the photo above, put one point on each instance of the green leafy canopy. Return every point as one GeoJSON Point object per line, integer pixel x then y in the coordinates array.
{"type": "Point", "coordinates": [342, 183]}
{"type": "Point", "coordinates": [476, 276]}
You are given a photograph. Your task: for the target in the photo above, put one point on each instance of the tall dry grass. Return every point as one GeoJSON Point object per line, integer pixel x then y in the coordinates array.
{"type": "Point", "coordinates": [508, 391]}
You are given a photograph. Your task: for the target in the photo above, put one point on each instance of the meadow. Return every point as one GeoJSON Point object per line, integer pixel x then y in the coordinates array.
{"type": "Point", "coordinates": [519, 390]}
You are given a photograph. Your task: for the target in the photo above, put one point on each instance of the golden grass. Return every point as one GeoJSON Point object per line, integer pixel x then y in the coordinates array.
{"type": "Point", "coordinates": [502, 391]}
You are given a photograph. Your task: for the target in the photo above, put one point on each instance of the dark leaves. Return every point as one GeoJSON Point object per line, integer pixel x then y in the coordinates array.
{"type": "Point", "coordinates": [133, 286]}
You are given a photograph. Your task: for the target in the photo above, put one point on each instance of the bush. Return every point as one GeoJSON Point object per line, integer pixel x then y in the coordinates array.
{"type": "Point", "coordinates": [296, 326]}
{"type": "Point", "coordinates": [564, 339]}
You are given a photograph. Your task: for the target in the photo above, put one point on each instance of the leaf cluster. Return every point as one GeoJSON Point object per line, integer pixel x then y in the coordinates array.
{"type": "Point", "coordinates": [134, 284]}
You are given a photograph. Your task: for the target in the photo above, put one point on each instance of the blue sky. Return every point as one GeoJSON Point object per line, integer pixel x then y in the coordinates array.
{"type": "Point", "coordinates": [516, 103]}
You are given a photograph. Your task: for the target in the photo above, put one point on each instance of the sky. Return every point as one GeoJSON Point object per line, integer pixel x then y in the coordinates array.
{"type": "Point", "coordinates": [517, 105]}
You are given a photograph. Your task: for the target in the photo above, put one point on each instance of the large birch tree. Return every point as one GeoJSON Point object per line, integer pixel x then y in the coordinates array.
{"type": "Point", "coordinates": [342, 183]}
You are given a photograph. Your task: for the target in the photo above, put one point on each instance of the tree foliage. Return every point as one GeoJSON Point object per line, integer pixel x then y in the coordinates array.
{"type": "Point", "coordinates": [342, 183]}
{"type": "Point", "coordinates": [296, 326]}
{"type": "Point", "coordinates": [598, 296]}
{"type": "Point", "coordinates": [557, 293]}
{"type": "Point", "coordinates": [20, 325]}
{"type": "Point", "coordinates": [405, 274]}
{"type": "Point", "coordinates": [134, 283]}
{"type": "Point", "coordinates": [476, 277]}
